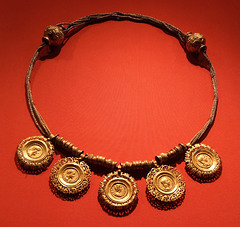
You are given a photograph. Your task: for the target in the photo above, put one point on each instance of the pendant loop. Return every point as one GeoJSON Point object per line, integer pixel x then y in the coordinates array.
{"type": "Point", "coordinates": [35, 153]}
{"type": "Point", "coordinates": [70, 176]}
{"type": "Point", "coordinates": [165, 184]}
{"type": "Point", "coordinates": [203, 163]}
{"type": "Point", "coordinates": [118, 193]}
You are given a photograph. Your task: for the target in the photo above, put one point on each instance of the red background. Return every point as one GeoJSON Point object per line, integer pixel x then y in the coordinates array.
{"type": "Point", "coordinates": [125, 91]}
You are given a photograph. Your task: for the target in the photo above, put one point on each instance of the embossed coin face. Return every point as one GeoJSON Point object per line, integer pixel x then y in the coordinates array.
{"type": "Point", "coordinates": [202, 161]}
{"type": "Point", "coordinates": [70, 176]}
{"type": "Point", "coordinates": [165, 184]}
{"type": "Point", "coordinates": [35, 150]}
{"type": "Point", "coordinates": [118, 191]}
{"type": "Point", "coordinates": [35, 153]}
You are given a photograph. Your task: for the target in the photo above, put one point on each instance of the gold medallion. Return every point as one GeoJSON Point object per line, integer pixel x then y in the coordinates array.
{"type": "Point", "coordinates": [35, 153]}
{"type": "Point", "coordinates": [118, 192]}
{"type": "Point", "coordinates": [165, 184]}
{"type": "Point", "coordinates": [202, 162]}
{"type": "Point", "coordinates": [70, 176]}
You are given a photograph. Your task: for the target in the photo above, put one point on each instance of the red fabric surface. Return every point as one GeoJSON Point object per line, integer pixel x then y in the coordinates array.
{"type": "Point", "coordinates": [125, 91]}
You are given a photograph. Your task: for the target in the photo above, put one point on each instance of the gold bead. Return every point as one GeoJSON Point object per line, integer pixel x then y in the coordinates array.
{"type": "Point", "coordinates": [145, 162]}
{"type": "Point", "coordinates": [114, 164]}
{"type": "Point", "coordinates": [172, 153]}
{"type": "Point", "coordinates": [90, 156]}
{"type": "Point", "coordinates": [123, 165]}
{"type": "Point", "coordinates": [195, 42]}
{"type": "Point", "coordinates": [128, 164]}
{"type": "Point", "coordinates": [94, 160]}
{"type": "Point", "coordinates": [164, 157]}
{"type": "Point", "coordinates": [68, 144]}
{"type": "Point", "coordinates": [108, 163]}
{"type": "Point", "coordinates": [82, 156]}
{"type": "Point", "coordinates": [53, 35]}
{"type": "Point", "coordinates": [138, 163]}
{"type": "Point", "coordinates": [135, 165]}
{"type": "Point", "coordinates": [154, 163]}
{"type": "Point", "coordinates": [101, 160]}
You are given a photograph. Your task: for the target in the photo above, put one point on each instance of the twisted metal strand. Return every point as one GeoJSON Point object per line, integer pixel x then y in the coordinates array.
{"type": "Point", "coordinates": [117, 16]}
{"type": "Point", "coordinates": [206, 128]}
{"type": "Point", "coordinates": [37, 118]}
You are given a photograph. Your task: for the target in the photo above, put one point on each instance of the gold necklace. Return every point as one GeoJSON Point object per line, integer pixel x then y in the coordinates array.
{"type": "Point", "coordinates": [118, 191]}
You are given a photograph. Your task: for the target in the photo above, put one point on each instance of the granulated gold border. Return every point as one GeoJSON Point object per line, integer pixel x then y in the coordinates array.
{"type": "Point", "coordinates": [105, 196]}
{"type": "Point", "coordinates": [35, 164]}
{"type": "Point", "coordinates": [172, 195]}
{"type": "Point", "coordinates": [197, 170]}
{"type": "Point", "coordinates": [70, 188]}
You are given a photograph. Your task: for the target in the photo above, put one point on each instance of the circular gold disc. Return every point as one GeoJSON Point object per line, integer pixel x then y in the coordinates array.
{"type": "Point", "coordinates": [35, 153]}
{"type": "Point", "coordinates": [165, 184]}
{"type": "Point", "coordinates": [70, 175]}
{"type": "Point", "coordinates": [118, 191]}
{"type": "Point", "coordinates": [202, 161]}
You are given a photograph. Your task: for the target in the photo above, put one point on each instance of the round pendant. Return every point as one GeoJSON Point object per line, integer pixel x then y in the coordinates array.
{"type": "Point", "coordinates": [35, 153]}
{"type": "Point", "coordinates": [202, 162]}
{"type": "Point", "coordinates": [118, 193]}
{"type": "Point", "coordinates": [70, 176]}
{"type": "Point", "coordinates": [165, 184]}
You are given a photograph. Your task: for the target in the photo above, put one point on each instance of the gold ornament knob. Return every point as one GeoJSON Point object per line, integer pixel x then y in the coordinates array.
{"type": "Point", "coordinates": [70, 176]}
{"type": "Point", "coordinates": [202, 162]}
{"type": "Point", "coordinates": [53, 35]}
{"type": "Point", "coordinates": [195, 42]}
{"type": "Point", "coordinates": [35, 153]}
{"type": "Point", "coordinates": [165, 184]}
{"type": "Point", "coordinates": [118, 193]}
